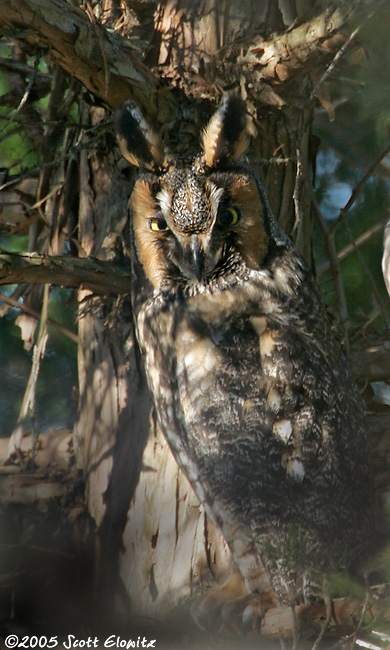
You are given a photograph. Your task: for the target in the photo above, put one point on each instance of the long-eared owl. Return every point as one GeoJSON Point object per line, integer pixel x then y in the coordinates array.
{"type": "Point", "coordinates": [249, 386]}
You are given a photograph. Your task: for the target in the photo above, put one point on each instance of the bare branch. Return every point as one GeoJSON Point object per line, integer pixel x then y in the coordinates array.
{"type": "Point", "coordinates": [337, 57]}
{"type": "Point", "coordinates": [96, 275]}
{"type": "Point", "coordinates": [347, 250]}
{"type": "Point", "coordinates": [53, 475]}
{"type": "Point", "coordinates": [370, 359]}
{"type": "Point", "coordinates": [35, 314]}
{"type": "Point", "coordinates": [359, 187]}
{"type": "Point", "coordinates": [26, 92]}
{"type": "Point", "coordinates": [335, 270]}
{"type": "Point", "coordinates": [329, 612]}
{"type": "Point", "coordinates": [365, 269]}
{"type": "Point", "coordinates": [296, 195]}
{"type": "Point", "coordinates": [28, 402]}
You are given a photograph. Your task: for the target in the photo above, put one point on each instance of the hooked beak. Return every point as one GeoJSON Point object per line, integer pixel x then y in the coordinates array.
{"type": "Point", "coordinates": [196, 259]}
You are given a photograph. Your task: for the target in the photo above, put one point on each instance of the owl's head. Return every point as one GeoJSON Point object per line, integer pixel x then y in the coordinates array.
{"type": "Point", "coordinates": [193, 221]}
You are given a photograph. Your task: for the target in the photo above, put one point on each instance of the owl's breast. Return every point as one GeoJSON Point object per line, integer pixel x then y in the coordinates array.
{"type": "Point", "coordinates": [223, 374]}
{"type": "Point", "coordinates": [255, 401]}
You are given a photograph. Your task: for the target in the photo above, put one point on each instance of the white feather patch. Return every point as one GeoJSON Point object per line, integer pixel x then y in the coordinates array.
{"type": "Point", "coordinates": [215, 197]}
{"type": "Point", "coordinates": [165, 200]}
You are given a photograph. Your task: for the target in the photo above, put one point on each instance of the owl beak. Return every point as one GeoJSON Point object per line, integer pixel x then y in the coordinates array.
{"type": "Point", "coordinates": [196, 257]}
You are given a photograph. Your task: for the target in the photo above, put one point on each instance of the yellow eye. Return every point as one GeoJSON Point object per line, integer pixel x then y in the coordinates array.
{"type": "Point", "coordinates": [229, 217]}
{"type": "Point", "coordinates": [157, 224]}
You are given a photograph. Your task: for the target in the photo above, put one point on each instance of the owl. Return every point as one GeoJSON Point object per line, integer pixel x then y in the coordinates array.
{"type": "Point", "coordinates": [249, 385]}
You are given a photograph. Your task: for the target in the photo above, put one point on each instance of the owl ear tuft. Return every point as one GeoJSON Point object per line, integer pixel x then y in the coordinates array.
{"type": "Point", "coordinates": [140, 145]}
{"type": "Point", "coordinates": [226, 136]}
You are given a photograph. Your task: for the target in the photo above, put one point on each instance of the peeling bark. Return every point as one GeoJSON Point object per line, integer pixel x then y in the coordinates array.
{"type": "Point", "coordinates": [166, 550]}
{"type": "Point", "coordinates": [191, 36]}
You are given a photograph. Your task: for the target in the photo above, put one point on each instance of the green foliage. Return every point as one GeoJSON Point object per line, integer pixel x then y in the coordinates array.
{"type": "Point", "coordinates": [55, 404]}
{"type": "Point", "coordinates": [341, 585]}
{"type": "Point", "coordinates": [16, 152]}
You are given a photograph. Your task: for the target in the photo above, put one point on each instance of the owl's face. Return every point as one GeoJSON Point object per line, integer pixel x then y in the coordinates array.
{"type": "Point", "coordinates": [190, 223]}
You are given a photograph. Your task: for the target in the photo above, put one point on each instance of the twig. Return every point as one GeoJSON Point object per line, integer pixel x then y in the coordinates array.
{"type": "Point", "coordinates": [295, 628]}
{"type": "Point", "coordinates": [333, 64]}
{"type": "Point", "coordinates": [56, 161]}
{"type": "Point", "coordinates": [282, 643]}
{"type": "Point", "coordinates": [28, 402]}
{"type": "Point", "coordinates": [57, 187]}
{"type": "Point", "coordinates": [359, 188]}
{"type": "Point", "coordinates": [335, 270]}
{"type": "Point", "coordinates": [273, 160]}
{"type": "Point", "coordinates": [297, 194]}
{"type": "Point", "coordinates": [9, 134]}
{"type": "Point", "coordinates": [366, 270]}
{"type": "Point", "coordinates": [35, 314]}
{"type": "Point", "coordinates": [347, 250]}
{"type": "Point", "coordinates": [27, 91]}
{"type": "Point", "coordinates": [329, 612]}
{"type": "Point", "coordinates": [342, 219]}
{"type": "Point", "coordinates": [341, 51]}
{"type": "Point", "coordinates": [353, 636]}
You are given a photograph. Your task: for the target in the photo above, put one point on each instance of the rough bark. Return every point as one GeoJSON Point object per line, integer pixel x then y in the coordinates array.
{"type": "Point", "coordinates": [190, 36]}
{"type": "Point", "coordinates": [97, 276]}
{"type": "Point", "coordinates": [104, 64]}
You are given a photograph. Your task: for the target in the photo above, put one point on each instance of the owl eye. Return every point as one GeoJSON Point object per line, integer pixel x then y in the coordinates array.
{"type": "Point", "coordinates": [157, 224]}
{"type": "Point", "coordinates": [229, 217]}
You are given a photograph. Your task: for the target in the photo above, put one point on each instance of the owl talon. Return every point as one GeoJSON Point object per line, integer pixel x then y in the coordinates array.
{"type": "Point", "coordinates": [254, 611]}
{"type": "Point", "coordinates": [230, 607]}
{"type": "Point", "coordinates": [219, 606]}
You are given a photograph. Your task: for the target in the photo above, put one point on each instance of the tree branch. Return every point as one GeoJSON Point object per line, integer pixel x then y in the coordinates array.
{"type": "Point", "coordinates": [359, 187]}
{"type": "Point", "coordinates": [96, 275]}
{"type": "Point", "coordinates": [65, 32]}
{"type": "Point", "coordinates": [350, 248]}
{"type": "Point", "coordinates": [108, 66]}
{"type": "Point", "coordinates": [334, 266]}
{"type": "Point", "coordinates": [300, 49]}
{"type": "Point", "coordinates": [8, 300]}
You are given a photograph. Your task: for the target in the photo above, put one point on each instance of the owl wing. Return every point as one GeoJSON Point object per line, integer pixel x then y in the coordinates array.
{"type": "Point", "coordinates": [269, 414]}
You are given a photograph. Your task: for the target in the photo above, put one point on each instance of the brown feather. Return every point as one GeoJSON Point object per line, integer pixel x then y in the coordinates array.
{"type": "Point", "coordinates": [139, 143]}
{"type": "Point", "coordinates": [252, 238]}
{"type": "Point", "coordinates": [226, 136]}
{"type": "Point", "coordinates": [150, 254]}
